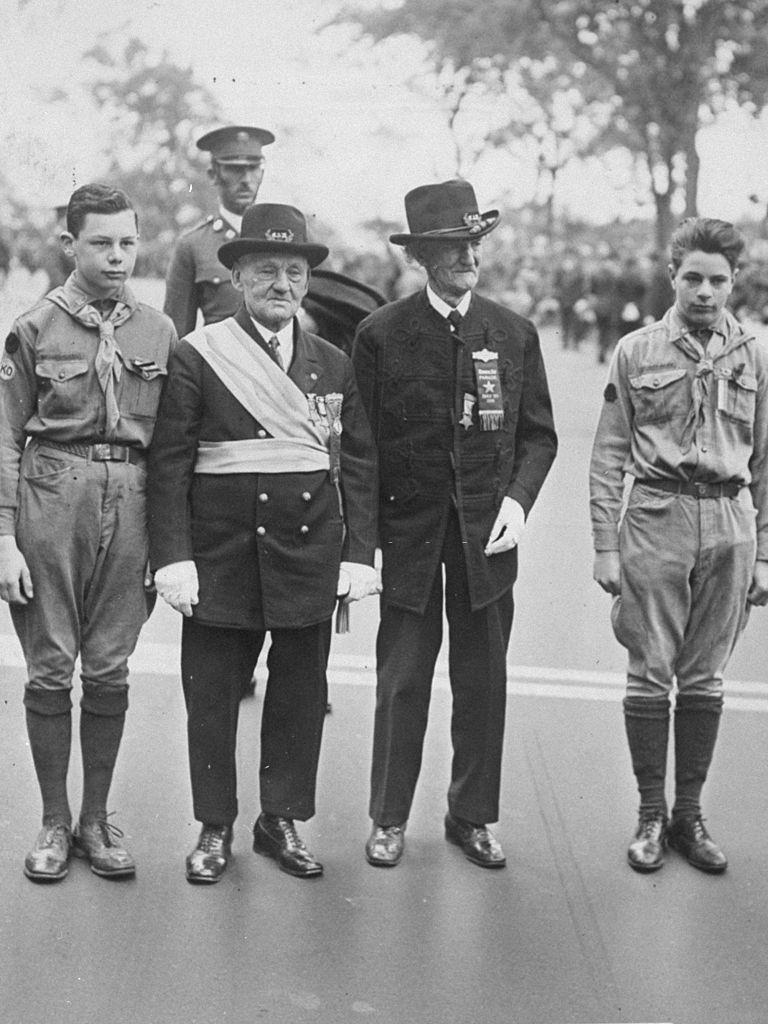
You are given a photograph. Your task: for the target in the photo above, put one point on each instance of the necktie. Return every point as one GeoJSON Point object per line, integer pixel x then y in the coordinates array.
{"type": "Point", "coordinates": [455, 318]}
{"type": "Point", "coordinates": [274, 351]}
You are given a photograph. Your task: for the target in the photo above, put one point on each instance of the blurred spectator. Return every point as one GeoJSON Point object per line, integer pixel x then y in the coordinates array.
{"type": "Point", "coordinates": [606, 304]}
{"type": "Point", "coordinates": [569, 289]}
{"type": "Point", "coordinates": [630, 289]}
{"type": "Point", "coordinates": [658, 293]}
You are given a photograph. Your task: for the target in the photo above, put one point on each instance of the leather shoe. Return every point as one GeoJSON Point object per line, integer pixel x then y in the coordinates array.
{"type": "Point", "coordinates": [277, 838]}
{"type": "Point", "coordinates": [477, 842]}
{"type": "Point", "coordinates": [646, 851]}
{"type": "Point", "coordinates": [208, 861]}
{"type": "Point", "coordinates": [48, 860]}
{"type": "Point", "coordinates": [385, 845]}
{"type": "Point", "coordinates": [98, 841]}
{"type": "Point", "coordinates": [689, 837]}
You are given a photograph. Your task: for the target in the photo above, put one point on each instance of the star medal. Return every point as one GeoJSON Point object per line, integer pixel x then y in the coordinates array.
{"type": "Point", "coordinates": [489, 401]}
{"type": "Point", "coordinates": [466, 416]}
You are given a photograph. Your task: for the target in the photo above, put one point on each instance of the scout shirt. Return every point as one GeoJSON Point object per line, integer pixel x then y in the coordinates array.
{"type": "Point", "coordinates": [675, 410]}
{"type": "Point", "coordinates": [197, 280]}
{"type": "Point", "coordinates": [49, 388]}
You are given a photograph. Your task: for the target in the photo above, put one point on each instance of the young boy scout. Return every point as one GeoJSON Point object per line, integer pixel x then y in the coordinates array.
{"type": "Point", "coordinates": [684, 413]}
{"type": "Point", "coordinates": [80, 381]}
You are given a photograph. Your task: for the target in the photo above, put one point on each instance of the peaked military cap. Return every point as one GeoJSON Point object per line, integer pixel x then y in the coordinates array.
{"type": "Point", "coordinates": [272, 228]}
{"type": "Point", "coordinates": [235, 144]}
{"type": "Point", "coordinates": [445, 211]}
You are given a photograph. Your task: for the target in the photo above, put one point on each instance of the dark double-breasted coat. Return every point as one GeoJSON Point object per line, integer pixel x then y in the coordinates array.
{"type": "Point", "coordinates": [418, 384]}
{"type": "Point", "coordinates": [197, 280]}
{"type": "Point", "coordinates": [267, 546]}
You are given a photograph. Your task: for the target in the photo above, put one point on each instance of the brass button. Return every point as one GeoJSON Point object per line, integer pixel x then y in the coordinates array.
{"type": "Point", "coordinates": [62, 374]}
{"type": "Point", "coordinates": [264, 497]}
{"type": "Point", "coordinates": [217, 280]}
{"type": "Point", "coordinates": [261, 433]}
{"type": "Point", "coordinates": [307, 496]}
{"type": "Point", "coordinates": [260, 531]}
{"type": "Point", "coordinates": [304, 529]}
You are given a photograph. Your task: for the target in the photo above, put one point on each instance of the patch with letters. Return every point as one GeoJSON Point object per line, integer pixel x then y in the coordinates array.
{"type": "Point", "coordinates": [7, 369]}
{"type": "Point", "coordinates": [610, 394]}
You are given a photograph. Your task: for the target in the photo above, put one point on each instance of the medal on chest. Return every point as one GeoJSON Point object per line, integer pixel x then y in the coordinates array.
{"type": "Point", "coordinates": [490, 406]}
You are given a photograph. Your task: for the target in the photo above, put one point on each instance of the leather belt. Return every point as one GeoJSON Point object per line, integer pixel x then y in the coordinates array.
{"type": "Point", "coordinates": [695, 489]}
{"type": "Point", "coordinates": [97, 452]}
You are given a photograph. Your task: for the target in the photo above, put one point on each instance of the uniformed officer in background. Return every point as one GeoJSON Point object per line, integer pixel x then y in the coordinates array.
{"type": "Point", "coordinates": [196, 279]}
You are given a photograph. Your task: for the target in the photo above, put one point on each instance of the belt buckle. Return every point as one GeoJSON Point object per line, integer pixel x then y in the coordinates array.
{"type": "Point", "coordinates": [705, 490]}
{"type": "Point", "coordinates": [101, 452]}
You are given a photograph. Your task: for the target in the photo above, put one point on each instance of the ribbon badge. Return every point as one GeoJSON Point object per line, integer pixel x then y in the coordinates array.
{"type": "Point", "coordinates": [489, 400]}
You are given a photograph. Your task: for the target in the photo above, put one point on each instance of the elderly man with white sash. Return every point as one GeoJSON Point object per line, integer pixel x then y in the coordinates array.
{"type": "Point", "coordinates": [262, 498]}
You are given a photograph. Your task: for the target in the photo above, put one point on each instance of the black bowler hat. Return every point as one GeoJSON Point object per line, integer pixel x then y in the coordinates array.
{"type": "Point", "coordinates": [272, 228]}
{"type": "Point", "coordinates": [235, 145]}
{"type": "Point", "coordinates": [444, 212]}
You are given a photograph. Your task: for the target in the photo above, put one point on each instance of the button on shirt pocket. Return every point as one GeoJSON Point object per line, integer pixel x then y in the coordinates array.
{"type": "Point", "coordinates": [62, 387]}
{"type": "Point", "coordinates": [660, 394]}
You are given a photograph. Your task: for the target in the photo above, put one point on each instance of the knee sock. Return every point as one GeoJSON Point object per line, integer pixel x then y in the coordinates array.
{"type": "Point", "coordinates": [50, 739]}
{"type": "Point", "coordinates": [697, 720]}
{"type": "Point", "coordinates": [647, 724]}
{"type": "Point", "coordinates": [100, 737]}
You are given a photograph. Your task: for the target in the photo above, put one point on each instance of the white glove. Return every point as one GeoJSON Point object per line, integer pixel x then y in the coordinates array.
{"type": "Point", "coordinates": [508, 528]}
{"type": "Point", "coordinates": [357, 581]}
{"type": "Point", "coordinates": [177, 584]}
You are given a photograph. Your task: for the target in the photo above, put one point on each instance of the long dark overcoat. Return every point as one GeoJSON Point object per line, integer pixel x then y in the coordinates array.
{"type": "Point", "coordinates": [417, 379]}
{"type": "Point", "coordinates": [267, 546]}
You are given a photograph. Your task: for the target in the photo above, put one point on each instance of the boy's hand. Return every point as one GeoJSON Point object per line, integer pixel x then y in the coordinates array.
{"type": "Point", "coordinates": [507, 529]}
{"type": "Point", "coordinates": [177, 584]}
{"type": "Point", "coordinates": [15, 581]}
{"type": "Point", "coordinates": [758, 592]}
{"type": "Point", "coordinates": [607, 571]}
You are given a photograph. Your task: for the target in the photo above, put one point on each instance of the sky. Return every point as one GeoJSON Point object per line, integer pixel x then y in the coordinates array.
{"type": "Point", "coordinates": [352, 138]}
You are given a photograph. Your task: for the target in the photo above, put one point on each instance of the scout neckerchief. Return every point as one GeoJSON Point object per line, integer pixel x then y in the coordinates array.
{"type": "Point", "coordinates": [108, 365]}
{"type": "Point", "coordinates": [695, 347]}
{"type": "Point", "coordinates": [300, 441]}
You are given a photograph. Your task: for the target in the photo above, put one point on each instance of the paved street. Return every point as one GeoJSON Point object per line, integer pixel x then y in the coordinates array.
{"type": "Point", "coordinates": [567, 934]}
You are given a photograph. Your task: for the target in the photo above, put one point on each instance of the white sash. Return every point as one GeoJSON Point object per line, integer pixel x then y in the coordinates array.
{"type": "Point", "coordinates": [298, 445]}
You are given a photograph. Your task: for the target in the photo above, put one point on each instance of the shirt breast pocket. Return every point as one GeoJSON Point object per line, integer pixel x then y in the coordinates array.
{"type": "Point", "coordinates": [62, 386]}
{"type": "Point", "coordinates": [140, 389]}
{"type": "Point", "coordinates": [737, 395]}
{"type": "Point", "coordinates": [660, 395]}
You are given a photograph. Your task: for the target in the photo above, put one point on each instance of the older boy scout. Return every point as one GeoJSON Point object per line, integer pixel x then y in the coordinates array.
{"type": "Point", "coordinates": [80, 382]}
{"type": "Point", "coordinates": [685, 413]}
{"type": "Point", "coordinates": [196, 277]}
{"type": "Point", "coordinates": [262, 478]}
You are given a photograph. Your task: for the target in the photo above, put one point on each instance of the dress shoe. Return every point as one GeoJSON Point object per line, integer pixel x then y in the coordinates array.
{"type": "Point", "coordinates": [277, 838]}
{"type": "Point", "coordinates": [385, 845]}
{"type": "Point", "coordinates": [476, 841]}
{"type": "Point", "coordinates": [48, 860]}
{"type": "Point", "coordinates": [99, 841]}
{"type": "Point", "coordinates": [689, 837]}
{"type": "Point", "coordinates": [208, 861]}
{"type": "Point", "coordinates": [646, 851]}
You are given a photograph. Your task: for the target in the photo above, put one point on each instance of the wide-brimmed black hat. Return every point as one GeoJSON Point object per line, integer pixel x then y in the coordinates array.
{"type": "Point", "coordinates": [444, 212]}
{"type": "Point", "coordinates": [341, 297]}
{"type": "Point", "coordinates": [235, 144]}
{"type": "Point", "coordinates": [272, 228]}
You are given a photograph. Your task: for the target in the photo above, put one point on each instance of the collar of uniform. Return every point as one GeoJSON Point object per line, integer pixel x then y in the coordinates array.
{"type": "Point", "coordinates": [76, 298]}
{"type": "Point", "coordinates": [440, 306]}
{"type": "Point", "coordinates": [285, 336]}
{"type": "Point", "coordinates": [726, 325]}
{"type": "Point", "coordinates": [234, 219]}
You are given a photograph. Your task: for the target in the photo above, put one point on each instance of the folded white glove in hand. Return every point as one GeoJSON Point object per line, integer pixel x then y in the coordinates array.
{"type": "Point", "coordinates": [508, 527]}
{"type": "Point", "coordinates": [357, 581]}
{"type": "Point", "coordinates": [177, 584]}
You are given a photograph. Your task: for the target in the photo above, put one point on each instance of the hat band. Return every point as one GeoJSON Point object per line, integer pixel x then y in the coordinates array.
{"type": "Point", "coordinates": [473, 222]}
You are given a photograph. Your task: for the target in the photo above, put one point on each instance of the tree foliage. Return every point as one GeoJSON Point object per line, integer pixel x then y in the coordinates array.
{"type": "Point", "coordinates": [670, 66]}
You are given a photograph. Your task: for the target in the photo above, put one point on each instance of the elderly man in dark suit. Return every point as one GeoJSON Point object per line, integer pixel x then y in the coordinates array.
{"type": "Point", "coordinates": [457, 397]}
{"type": "Point", "coordinates": [262, 495]}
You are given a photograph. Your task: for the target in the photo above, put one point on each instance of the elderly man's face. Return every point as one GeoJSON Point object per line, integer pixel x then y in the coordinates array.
{"type": "Point", "coordinates": [452, 267]}
{"type": "Point", "coordinates": [272, 286]}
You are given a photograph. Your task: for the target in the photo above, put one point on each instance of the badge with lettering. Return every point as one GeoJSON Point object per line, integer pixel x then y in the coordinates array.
{"type": "Point", "coordinates": [7, 370]}
{"type": "Point", "coordinates": [489, 402]}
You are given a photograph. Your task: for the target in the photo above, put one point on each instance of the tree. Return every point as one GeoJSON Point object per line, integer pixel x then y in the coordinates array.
{"type": "Point", "coordinates": [154, 110]}
{"type": "Point", "coordinates": [672, 65]}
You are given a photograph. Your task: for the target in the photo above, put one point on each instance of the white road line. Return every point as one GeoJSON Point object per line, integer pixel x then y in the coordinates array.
{"type": "Point", "coordinates": [359, 670]}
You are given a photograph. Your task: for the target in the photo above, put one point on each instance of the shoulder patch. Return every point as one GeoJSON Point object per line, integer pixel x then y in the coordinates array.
{"type": "Point", "coordinates": [610, 394]}
{"type": "Point", "coordinates": [7, 370]}
{"type": "Point", "coordinates": [11, 344]}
